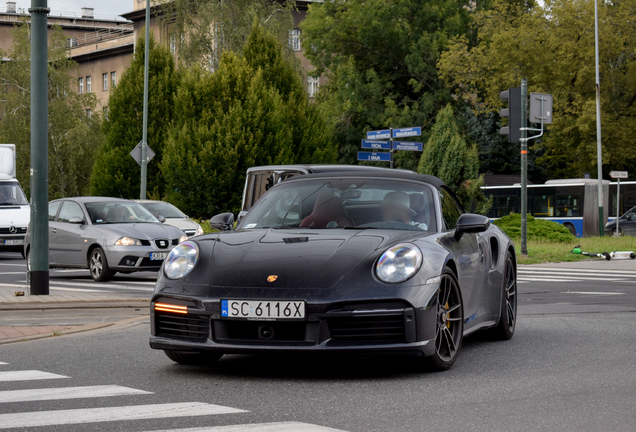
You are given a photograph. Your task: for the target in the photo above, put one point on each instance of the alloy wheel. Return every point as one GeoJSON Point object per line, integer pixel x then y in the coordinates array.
{"type": "Point", "coordinates": [449, 319]}
{"type": "Point", "coordinates": [510, 291]}
{"type": "Point", "coordinates": [97, 264]}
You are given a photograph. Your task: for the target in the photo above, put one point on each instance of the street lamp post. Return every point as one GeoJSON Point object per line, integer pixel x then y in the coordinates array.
{"type": "Point", "coordinates": [599, 149]}
{"type": "Point", "coordinates": [39, 252]}
{"type": "Point", "coordinates": [144, 141]}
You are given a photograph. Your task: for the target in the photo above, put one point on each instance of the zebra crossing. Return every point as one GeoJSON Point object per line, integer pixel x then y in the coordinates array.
{"type": "Point", "coordinates": [115, 413]}
{"type": "Point", "coordinates": [527, 274]}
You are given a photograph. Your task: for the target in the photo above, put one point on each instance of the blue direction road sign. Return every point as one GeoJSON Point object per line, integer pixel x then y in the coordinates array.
{"type": "Point", "coordinates": [380, 145]}
{"type": "Point", "coordinates": [406, 132]}
{"type": "Point", "coordinates": [407, 145]}
{"type": "Point", "coordinates": [373, 156]}
{"type": "Point", "coordinates": [378, 135]}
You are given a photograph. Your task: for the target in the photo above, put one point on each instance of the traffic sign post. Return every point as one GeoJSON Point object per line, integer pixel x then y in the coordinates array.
{"type": "Point", "coordinates": [618, 175]}
{"type": "Point", "coordinates": [137, 153]}
{"type": "Point", "coordinates": [372, 143]}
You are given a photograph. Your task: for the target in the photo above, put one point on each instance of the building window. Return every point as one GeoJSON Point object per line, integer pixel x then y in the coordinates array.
{"type": "Point", "coordinates": [89, 113]}
{"type": "Point", "coordinates": [113, 79]}
{"type": "Point", "coordinates": [71, 42]}
{"type": "Point", "coordinates": [81, 85]}
{"type": "Point", "coordinates": [294, 39]}
{"type": "Point", "coordinates": [88, 84]}
{"type": "Point", "coordinates": [173, 44]}
{"type": "Point", "coordinates": [105, 78]}
{"type": "Point", "coordinates": [313, 84]}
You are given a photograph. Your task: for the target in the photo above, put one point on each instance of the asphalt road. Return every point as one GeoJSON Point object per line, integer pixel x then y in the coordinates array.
{"type": "Point", "coordinates": [571, 367]}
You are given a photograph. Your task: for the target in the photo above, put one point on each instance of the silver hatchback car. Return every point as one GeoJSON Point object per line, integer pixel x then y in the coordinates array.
{"type": "Point", "coordinates": [106, 235]}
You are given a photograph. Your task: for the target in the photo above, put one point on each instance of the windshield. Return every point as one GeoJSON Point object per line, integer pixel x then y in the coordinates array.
{"type": "Point", "coordinates": [11, 194]}
{"type": "Point", "coordinates": [163, 209]}
{"type": "Point", "coordinates": [118, 212]}
{"type": "Point", "coordinates": [345, 203]}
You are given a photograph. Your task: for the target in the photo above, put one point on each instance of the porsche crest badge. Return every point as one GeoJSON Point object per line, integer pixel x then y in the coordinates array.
{"type": "Point", "coordinates": [271, 278]}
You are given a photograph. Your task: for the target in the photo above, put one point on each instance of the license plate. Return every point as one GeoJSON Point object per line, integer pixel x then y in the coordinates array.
{"type": "Point", "coordinates": [13, 242]}
{"type": "Point", "coordinates": [158, 256]}
{"type": "Point", "coordinates": [263, 310]}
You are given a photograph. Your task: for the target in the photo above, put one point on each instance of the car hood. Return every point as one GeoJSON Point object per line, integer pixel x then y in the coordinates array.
{"type": "Point", "coordinates": [296, 258]}
{"type": "Point", "coordinates": [182, 224]}
{"type": "Point", "coordinates": [18, 216]}
{"type": "Point", "coordinates": [143, 231]}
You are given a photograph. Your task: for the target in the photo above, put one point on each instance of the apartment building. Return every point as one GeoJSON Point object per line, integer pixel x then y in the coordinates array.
{"type": "Point", "coordinates": [104, 46]}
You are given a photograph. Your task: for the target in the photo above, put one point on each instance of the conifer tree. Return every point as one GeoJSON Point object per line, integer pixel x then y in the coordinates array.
{"type": "Point", "coordinates": [115, 172]}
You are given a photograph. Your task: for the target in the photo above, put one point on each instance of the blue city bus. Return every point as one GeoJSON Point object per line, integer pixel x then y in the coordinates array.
{"type": "Point", "coordinates": [570, 202]}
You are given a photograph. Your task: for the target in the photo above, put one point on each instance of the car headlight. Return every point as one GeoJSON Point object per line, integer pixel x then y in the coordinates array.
{"type": "Point", "coordinates": [199, 231]}
{"type": "Point", "coordinates": [183, 238]}
{"type": "Point", "coordinates": [399, 263]}
{"type": "Point", "coordinates": [127, 241]}
{"type": "Point", "coordinates": [181, 260]}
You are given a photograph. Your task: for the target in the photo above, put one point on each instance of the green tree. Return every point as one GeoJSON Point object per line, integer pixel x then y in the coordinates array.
{"type": "Point", "coordinates": [553, 46]}
{"type": "Point", "coordinates": [72, 134]}
{"type": "Point", "coordinates": [448, 157]}
{"type": "Point", "coordinates": [380, 58]}
{"type": "Point", "coordinates": [253, 110]}
{"type": "Point", "coordinates": [115, 172]}
{"type": "Point", "coordinates": [202, 30]}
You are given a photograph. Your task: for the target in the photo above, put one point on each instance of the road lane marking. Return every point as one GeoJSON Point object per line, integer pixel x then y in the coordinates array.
{"type": "Point", "coordinates": [12, 273]}
{"type": "Point", "coordinates": [572, 278]}
{"type": "Point", "coordinates": [67, 393]}
{"type": "Point", "coordinates": [565, 269]}
{"type": "Point", "coordinates": [260, 427]}
{"type": "Point", "coordinates": [28, 375]}
{"type": "Point", "coordinates": [574, 273]}
{"type": "Point", "coordinates": [110, 414]}
{"type": "Point", "coordinates": [56, 288]}
{"type": "Point", "coordinates": [593, 292]}
{"type": "Point", "coordinates": [3, 363]}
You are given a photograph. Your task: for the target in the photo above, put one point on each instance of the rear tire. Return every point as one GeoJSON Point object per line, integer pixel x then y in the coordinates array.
{"type": "Point", "coordinates": [505, 329]}
{"type": "Point", "coordinates": [98, 266]}
{"type": "Point", "coordinates": [187, 358]}
{"type": "Point", "coordinates": [571, 228]}
{"type": "Point", "coordinates": [449, 325]}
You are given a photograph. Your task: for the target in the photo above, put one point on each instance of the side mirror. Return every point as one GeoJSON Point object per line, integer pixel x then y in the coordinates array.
{"type": "Point", "coordinates": [161, 219]}
{"type": "Point", "coordinates": [76, 220]}
{"type": "Point", "coordinates": [471, 223]}
{"type": "Point", "coordinates": [222, 222]}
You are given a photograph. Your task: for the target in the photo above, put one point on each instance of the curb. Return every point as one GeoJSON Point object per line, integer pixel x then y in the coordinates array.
{"type": "Point", "coordinates": [84, 304]}
{"type": "Point", "coordinates": [79, 329]}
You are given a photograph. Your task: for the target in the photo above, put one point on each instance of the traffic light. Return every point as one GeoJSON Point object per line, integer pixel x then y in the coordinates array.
{"type": "Point", "coordinates": [512, 113]}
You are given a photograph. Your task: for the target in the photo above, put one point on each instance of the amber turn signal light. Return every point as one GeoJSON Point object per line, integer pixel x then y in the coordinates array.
{"type": "Point", "coordinates": [164, 307]}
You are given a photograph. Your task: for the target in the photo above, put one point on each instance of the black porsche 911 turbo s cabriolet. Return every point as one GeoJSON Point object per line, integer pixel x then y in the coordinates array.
{"type": "Point", "coordinates": [350, 261]}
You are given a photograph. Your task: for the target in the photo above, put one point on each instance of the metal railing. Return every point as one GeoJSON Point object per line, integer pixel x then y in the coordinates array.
{"type": "Point", "coordinates": [97, 36]}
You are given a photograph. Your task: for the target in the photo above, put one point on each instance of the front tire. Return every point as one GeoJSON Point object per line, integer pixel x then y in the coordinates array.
{"type": "Point", "coordinates": [508, 318]}
{"type": "Point", "coordinates": [449, 327]}
{"type": "Point", "coordinates": [186, 358]}
{"type": "Point", "coordinates": [98, 266]}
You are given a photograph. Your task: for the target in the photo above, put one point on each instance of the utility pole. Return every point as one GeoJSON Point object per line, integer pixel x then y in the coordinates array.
{"type": "Point", "coordinates": [39, 252]}
{"type": "Point", "coordinates": [144, 140]}
{"type": "Point", "coordinates": [524, 166]}
{"type": "Point", "coordinates": [599, 149]}
{"type": "Point", "coordinates": [392, 153]}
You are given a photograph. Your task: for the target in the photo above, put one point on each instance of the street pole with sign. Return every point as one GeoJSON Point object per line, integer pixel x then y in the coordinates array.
{"type": "Point", "coordinates": [144, 140]}
{"type": "Point", "coordinates": [618, 175]}
{"type": "Point", "coordinates": [372, 142]}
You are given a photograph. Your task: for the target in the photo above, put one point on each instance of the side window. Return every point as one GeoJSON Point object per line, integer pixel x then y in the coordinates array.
{"type": "Point", "coordinates": [70, 209]}
{"type": "Point", "coordinates": [53, 209]}
{"type": "Point", "coordinates": [450, 210]}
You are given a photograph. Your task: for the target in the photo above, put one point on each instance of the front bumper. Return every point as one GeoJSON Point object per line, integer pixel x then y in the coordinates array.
{"type": "Point", "coordinates": [368, 326]}
{"type": "Point", "coordinates": [134, 258]}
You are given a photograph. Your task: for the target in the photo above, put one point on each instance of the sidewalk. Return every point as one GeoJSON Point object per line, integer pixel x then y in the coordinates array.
{"type": "Point", "coordinates": [68, 299]}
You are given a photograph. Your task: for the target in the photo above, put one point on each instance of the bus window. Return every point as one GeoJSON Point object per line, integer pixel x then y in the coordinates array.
{"type": "Point", "coordinates": [568, 205]}
{"type": "Point", "coordinates": [543, 206]}
{"type": "Point", "coordinates": [505, 205]}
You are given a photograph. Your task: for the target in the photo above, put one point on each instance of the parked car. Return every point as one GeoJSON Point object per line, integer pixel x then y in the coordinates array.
{"type": "Point", "coordinates": [15, 211]}
{"type": "Point", "coordinates": [172, 216]}
{"type": "Point", "coordinates": [626, 224]}
{"type": "Point", "coordinates": [106, 235]}
{"type": "Point", "coordinates": [364, 260]}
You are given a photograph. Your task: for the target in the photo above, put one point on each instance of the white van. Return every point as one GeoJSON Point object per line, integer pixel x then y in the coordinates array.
{"type": "Point", "coordinates": [15, 212]}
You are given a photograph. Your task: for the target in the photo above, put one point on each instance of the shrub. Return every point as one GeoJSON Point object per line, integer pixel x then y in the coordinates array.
{"type": "Point", "coordinates": [538, 229]}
